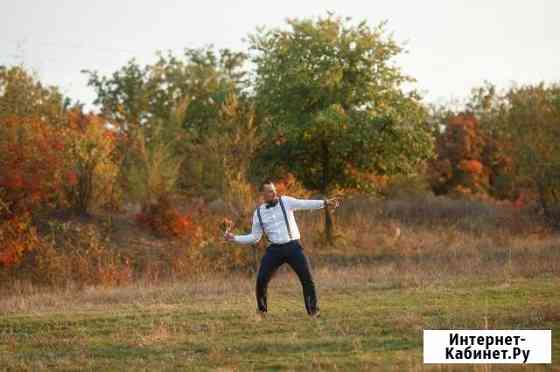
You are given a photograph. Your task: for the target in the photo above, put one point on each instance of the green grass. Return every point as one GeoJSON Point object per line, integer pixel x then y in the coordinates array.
{"type": "Point", "coordinates": [366, 324]}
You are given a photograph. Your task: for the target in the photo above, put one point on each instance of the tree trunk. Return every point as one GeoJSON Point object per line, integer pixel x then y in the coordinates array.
{"type": "Point", "coordinates": [329, 227]}
{"type": "Point", "coordinates": [329, 223]}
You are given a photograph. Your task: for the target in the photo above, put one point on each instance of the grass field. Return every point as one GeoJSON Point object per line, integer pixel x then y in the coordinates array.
{"type": "Point", "coordinates": [372, 318]}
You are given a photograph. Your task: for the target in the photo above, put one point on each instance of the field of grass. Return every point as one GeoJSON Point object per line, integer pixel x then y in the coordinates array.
{"type": "Point", "coordinates": [372, 318]}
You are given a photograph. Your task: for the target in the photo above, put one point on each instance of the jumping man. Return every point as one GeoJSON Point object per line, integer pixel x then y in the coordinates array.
{"type": "Point", "coordinates": [276, 219]}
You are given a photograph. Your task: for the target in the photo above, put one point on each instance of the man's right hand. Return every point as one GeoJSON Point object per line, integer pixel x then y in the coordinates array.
{"type": "Point", "coordinates": [229, 237]}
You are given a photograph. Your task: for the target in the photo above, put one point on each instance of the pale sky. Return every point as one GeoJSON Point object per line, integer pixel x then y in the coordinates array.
{"type": "Point", "coordinates": [452, 45]}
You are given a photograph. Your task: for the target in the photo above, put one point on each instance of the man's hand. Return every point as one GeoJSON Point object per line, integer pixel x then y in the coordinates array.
{"type": "Point", "coordinates": [229, 237]}
{"type": "Point", "coordinates": [227, 225]}
{"type": "Point", "coordinates": [332, 203]}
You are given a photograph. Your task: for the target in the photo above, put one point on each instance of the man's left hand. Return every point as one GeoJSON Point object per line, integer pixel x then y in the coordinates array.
{"type": "Point", "coordinates": [333, 202]}
{"type": "Point", "coordinates": [229, 237]}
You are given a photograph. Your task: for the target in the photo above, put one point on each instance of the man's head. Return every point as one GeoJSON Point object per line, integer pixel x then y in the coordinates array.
{"type": "Point", "coordinates": [268, 191]}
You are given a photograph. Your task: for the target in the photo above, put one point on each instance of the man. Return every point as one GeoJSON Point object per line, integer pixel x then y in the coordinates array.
{"type": "Point", "coordinates": [276, 219]}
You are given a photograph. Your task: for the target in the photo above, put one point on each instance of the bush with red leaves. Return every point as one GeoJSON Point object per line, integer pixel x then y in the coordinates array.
{"type": "Point", "coordinates": [164, 220]}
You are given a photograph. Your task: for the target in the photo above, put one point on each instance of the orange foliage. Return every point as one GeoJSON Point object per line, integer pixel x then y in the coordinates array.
{"type": "Point", "coordinates": [91, 161]}
{"type": "Point", "coordinates": [32, 164]}
{"type": "Point", "coordinates": [460, 166]}
{"type": "Point", "coordinates": [79, 121]}
{"type": "Point", "coordinates": [36, 169]}
{"type": "Point", "coordinates": [17, 238]}
{"type": "Point", "coordinates": [165, 220]}
{"type": "Point", "coordinates": [471, 166]}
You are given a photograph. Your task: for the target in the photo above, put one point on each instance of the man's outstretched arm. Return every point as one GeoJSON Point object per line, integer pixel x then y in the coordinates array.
{"type": "Point", "coordinates": [296, 204]}
{"type": "Point", "coordinates": [252, 238]}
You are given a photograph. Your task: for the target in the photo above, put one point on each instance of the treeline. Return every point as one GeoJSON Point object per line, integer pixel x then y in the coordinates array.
{"type": "Point", "coordinates": [503, 146]}
{"type": "Point", "coordinates": [319, 105]}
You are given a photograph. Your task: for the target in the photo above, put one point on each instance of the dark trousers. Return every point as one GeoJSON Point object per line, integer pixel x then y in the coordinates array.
{"type": "Point", "coordinates": [275, 256]}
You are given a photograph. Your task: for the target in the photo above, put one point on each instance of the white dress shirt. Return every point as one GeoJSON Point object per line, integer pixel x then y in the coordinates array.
{"type": "Point", "coordinates": [274, 222]}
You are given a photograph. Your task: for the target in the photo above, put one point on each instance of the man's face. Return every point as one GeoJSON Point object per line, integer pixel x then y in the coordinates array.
{"type": "Point", "coordinates": [268, 192]}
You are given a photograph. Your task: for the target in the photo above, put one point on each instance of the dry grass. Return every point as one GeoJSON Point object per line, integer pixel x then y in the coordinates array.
{"type": "Point", "coordinates": [461, 237]}
{"type": "Point", "coordinates": [416, 240]}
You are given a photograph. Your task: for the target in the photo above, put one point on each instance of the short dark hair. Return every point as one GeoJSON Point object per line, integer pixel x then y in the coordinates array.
{"type": "Point", "coordinates": [268, 181]}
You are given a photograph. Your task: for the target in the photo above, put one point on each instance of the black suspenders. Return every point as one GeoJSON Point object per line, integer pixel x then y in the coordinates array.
{"type": "Point", "coordinates": [285, 219]}
{"type": "Point", "coordinates": [261, 223]}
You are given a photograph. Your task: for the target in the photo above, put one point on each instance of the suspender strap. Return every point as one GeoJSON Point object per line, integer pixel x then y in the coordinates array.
{"type": "Point", "coordinates": [261, 222]}
{"type": "Point", "coordinates": [286, 218]}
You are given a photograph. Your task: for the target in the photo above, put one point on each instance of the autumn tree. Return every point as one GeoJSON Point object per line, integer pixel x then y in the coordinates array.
{"type": "Point", "coordinates": [490, 107]}
{"type": "Point", "coordinates": [31, 160]}
{"type": "Point", "coordinates": [153, 174]}
{"type": "Point", "coordinates": [333, 105]}
{"type": "Point", "coordinates": [90, 159]}
{"type": "Point", "coordinates": [458, 166]}
{"type": "Point", "coordinates": [136, 97]}
{"type": "Point", "coordinates": [524, 122]}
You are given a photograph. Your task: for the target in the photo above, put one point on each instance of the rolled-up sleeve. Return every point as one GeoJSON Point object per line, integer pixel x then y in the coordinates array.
{"type": "Point", "coordinates": [254, 236]}
{"type": "Point", "coordinates": [296, 204]}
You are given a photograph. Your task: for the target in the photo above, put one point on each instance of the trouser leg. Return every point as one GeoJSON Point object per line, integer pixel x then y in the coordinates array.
{"type": "Point", "coordinates": [298, 262]}
{"type": "Point", "coordinates": [269, 264]}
